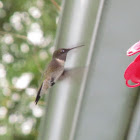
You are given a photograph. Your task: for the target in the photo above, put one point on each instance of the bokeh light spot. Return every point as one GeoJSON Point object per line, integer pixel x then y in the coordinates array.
{"type": "Point", "coordinates": [35, 12]}
{"type": "Point", "coordinates": [24, 80]}
{"type": "Point", "coordinates": [3, 130]}
{"type": "Point", "coordinates": [3, 112]}
{"type": "Point", "coordinates": [8, 58]}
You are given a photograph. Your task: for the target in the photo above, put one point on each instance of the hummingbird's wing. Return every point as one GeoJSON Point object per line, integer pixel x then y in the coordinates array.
{"type": "Point", "coordinates": [72, 73]}
{"type": "Point", "coordinates": [41, 84]}
{"type": "Point", "coordinates": [47, 83]}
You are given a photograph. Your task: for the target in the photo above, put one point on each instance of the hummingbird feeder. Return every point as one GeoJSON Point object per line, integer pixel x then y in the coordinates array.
{"type": "Point", "coordinates": [132, 73]}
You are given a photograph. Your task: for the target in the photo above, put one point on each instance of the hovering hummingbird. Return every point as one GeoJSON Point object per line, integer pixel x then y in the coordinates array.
{"type": "Point", "coordinates": [54, 71]}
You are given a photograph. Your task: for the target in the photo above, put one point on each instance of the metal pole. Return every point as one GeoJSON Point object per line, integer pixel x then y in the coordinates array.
{"type": "Point", "coordinates": [76, 27]}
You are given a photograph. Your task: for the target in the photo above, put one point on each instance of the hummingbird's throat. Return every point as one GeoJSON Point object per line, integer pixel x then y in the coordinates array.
{"type": "Point", "coordinates": [60, 61]}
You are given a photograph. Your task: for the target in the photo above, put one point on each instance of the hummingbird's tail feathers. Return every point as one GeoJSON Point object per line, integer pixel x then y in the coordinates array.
{"type": "Point", "coordinates": [37, 99]}
{"type": "Point", "coordinates": [38, 95]}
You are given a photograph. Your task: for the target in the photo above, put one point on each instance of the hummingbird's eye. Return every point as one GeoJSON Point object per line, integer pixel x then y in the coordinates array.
{"type": "Point", "coordinates": [62, 51]}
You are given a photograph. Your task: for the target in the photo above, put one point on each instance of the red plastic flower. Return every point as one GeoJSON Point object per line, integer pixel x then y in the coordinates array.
{"type": "Point", "coordinates": [132, 73]}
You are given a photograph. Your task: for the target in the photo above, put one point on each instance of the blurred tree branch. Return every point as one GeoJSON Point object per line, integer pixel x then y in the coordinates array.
{"type": "Point", "coordinates": [16, 35]}
{"type": "Point", "coordinates": [56, 5]}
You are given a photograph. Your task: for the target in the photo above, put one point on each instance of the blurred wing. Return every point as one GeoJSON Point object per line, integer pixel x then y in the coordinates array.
{"type": "Point", "coordinates": [75, 73]}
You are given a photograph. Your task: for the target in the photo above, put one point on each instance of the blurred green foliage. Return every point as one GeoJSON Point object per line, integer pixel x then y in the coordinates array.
{"type": "Point", "coordinates": [27, 31]}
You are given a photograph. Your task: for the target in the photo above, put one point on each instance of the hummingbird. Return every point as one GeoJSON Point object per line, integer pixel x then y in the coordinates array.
{"type": "Point", "coordinates": [54, 71]}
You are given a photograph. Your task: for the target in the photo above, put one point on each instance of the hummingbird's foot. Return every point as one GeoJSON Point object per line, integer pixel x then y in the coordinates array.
{"type": "Point", "coordinates": [52, 82]}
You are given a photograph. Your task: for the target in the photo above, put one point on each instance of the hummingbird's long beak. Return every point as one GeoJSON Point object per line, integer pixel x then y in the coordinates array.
{"type": "Point", "coordinates": [76, 47]}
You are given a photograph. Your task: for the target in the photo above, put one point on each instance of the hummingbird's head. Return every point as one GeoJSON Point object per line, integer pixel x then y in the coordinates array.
{"type": "Point", "coordinates": [62, 53]}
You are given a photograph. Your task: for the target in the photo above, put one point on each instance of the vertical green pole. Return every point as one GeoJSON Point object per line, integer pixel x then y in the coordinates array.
{"type": "Point", "coordinates": [75, 28]}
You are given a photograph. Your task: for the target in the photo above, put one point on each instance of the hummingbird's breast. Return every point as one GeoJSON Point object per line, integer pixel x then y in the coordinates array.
{"type": "Point", "coordinates": [55, 69]}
